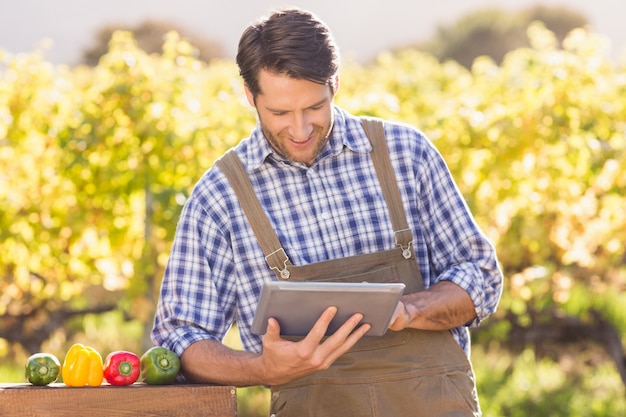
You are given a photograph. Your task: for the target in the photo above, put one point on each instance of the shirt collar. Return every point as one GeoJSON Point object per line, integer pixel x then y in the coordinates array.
{"type": "Point", "coordinates": [347, 132]}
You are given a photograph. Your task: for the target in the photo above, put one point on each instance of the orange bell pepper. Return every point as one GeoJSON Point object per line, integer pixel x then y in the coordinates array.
{"type": "Point", "coordinates": [82, 366]}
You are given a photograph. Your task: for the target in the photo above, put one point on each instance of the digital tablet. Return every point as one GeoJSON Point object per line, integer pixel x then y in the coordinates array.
{"type": "Point", "coordinates": [297, 305]}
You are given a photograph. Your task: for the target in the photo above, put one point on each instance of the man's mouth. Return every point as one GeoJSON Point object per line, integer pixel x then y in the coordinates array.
{"type": "Point", "coordinates": [301, 142]}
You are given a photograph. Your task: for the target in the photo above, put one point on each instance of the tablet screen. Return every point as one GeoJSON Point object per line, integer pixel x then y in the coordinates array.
{"type": "Point", "coordinates": [297, 305]}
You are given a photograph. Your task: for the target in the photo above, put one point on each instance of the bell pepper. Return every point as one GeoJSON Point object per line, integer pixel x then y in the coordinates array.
{"type": "Point", "coordinates": [159, 366]}
{"type": "Point", "coordinates": [121, 368]}
{"type": "Point", "coordinates": [42, 369]}
{"type": "Point", "coordinates": [82, 366]}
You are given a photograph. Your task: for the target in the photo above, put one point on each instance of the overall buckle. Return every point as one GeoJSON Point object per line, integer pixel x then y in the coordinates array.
{"type": "Point", "coordinates": [404, 239]}
{"type": "Point", "coordinates": [276, 259]}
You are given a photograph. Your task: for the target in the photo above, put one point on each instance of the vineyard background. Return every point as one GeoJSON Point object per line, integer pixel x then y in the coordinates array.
{"type": "Point", "coordinates": [96, 162]}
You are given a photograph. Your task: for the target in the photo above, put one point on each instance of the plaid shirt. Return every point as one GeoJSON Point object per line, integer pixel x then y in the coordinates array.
{"type": "Point", "coordinates": [332, 209]}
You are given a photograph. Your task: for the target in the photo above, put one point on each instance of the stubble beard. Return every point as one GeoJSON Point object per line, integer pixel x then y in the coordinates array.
{"type": "Point", "coordinates": [284, 150]}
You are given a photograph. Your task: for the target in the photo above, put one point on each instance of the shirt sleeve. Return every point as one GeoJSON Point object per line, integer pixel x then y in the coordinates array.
{"type": "Point", "coordinates": [459, 250]}
{"type": "Point", "coordinates": [196, 290]}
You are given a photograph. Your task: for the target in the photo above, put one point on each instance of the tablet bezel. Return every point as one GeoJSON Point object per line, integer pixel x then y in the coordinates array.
{"type": "Point", "coordinates": [297, 305]}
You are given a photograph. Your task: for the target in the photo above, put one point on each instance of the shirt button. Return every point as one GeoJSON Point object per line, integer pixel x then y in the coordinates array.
{"type": "Point", "coordinates": [326, 215]}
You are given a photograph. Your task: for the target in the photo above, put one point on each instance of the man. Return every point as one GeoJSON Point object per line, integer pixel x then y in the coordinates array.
{"type": "Point", "coordinates": [311, 168]}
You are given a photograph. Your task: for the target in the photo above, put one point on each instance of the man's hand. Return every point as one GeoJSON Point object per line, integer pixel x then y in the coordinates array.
{"type": "Point", "coordinates": [281, 361]}
{"type": "Point", "coordinates": [443, 306]}
{"type": "Point", "coordinates": [401, 318]}
{"type": "Point", "coordinates": [284, 360]}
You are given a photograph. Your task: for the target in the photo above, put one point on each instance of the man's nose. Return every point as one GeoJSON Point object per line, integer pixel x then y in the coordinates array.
{"type": "Point", "coordinates": [301, 128]}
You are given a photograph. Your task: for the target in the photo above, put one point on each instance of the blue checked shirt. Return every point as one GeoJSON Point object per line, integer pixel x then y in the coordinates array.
{"type": "Point", "coordinates": [332, 209]}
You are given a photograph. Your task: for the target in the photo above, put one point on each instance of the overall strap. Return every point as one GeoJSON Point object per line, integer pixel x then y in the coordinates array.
{"type": "Point", "coordinates": [275, 255]}
{"type": "Point", "coordinates": [374, 129]}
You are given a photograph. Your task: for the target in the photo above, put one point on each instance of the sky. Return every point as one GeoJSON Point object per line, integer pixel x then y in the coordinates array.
{"type": "Point", "coordinates": [362, 28]}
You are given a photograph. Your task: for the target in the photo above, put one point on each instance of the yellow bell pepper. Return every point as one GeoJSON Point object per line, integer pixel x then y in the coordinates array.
{"type": "Point", "coordinates": [82, 366]}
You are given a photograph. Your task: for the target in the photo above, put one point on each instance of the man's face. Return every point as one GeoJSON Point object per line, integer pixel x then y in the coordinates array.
{"type": "Point", "coordinates": [296, 115]}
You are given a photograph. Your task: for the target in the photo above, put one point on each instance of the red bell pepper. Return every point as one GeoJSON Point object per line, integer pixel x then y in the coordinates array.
{"type": "Point", "coordinates": [121, 368]}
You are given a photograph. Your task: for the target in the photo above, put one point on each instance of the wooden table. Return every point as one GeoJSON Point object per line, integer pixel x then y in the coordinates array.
{"type": "Point", "coordinates": [180, 400]}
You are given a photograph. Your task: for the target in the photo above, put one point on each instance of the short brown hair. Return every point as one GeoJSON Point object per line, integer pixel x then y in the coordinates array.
{"type": "Point", "coordinates": [292, 42]}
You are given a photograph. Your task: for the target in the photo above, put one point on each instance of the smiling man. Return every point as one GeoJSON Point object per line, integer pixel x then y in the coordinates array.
{"type": "Point", "coordinates": [296, 115]}
{"type": "Point", "coordinates": [334, 199]}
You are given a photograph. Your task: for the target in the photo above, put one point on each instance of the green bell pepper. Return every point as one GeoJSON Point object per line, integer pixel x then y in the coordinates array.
{"type": "Point", "coordinates": [159, 366]}
{"type": "Point", "coordinates": [42, 369]}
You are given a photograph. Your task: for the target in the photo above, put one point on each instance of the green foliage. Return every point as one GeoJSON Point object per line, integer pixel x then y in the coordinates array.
{"type": "Point", "coordinates": [495, 32]}
{"type": "Point", "coordinates": [149, 35]}
{"type": "Point", "coordinates": [575, 387]}
{"type": "Point", "coordinates": [95, 164]}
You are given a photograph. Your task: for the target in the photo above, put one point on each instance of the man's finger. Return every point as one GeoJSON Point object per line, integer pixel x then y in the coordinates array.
{"type": "Point", "coordinates": [318, 331]}
{"type": "Point", "coordinates": [273, 329]}
{"type": "Point", "coordinates": [344, 338]}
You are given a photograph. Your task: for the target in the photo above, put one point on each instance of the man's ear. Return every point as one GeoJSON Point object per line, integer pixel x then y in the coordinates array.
{"type": "Point", "coordinates": [249, 95]}
{"type": "Point", "coordinates": [336, 84]}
